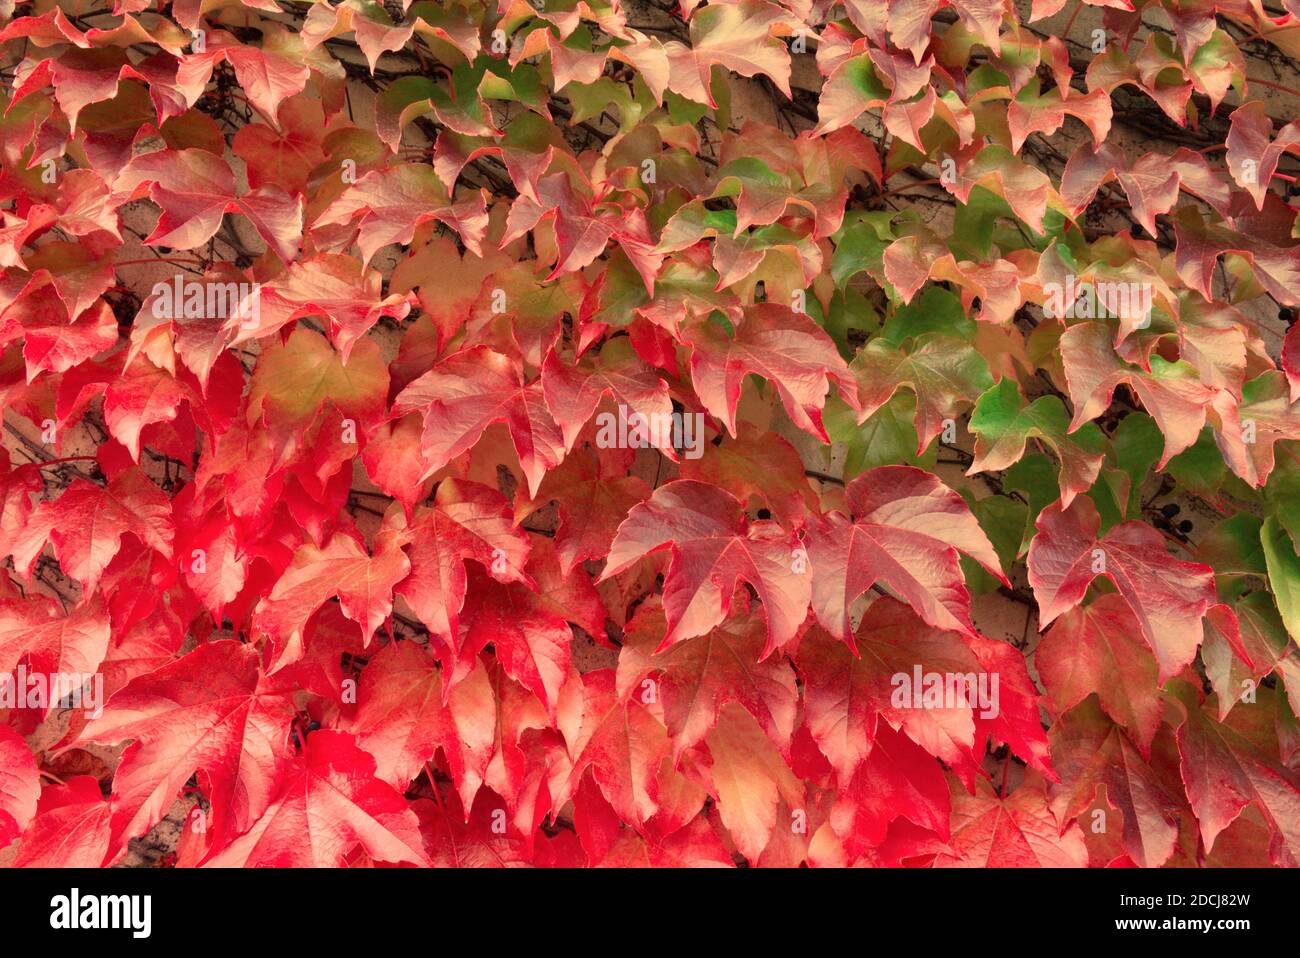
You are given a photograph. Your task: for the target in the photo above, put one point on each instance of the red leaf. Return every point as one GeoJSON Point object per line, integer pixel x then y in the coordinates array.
{"type": "Point", "coordinates": [466, 393]}
{"type": "Point", "coordinates": [362, 581]}
{"type": "Point", "coordinates": [622, 744]}
{"type": "Point", "coordinates": [574, 391]}
{"type": "Point", "coordinates": [529, 629]}
{"type": "Point", "coordinates": [20, 785]}
{"type": "Point", "coordinates": [1096, 649]}
{"type": "Point", "coordinates": [51, 640]}
{"type": "Point", "coordinates": [898, 780]}
{"type": "Point", "coordinates": [775, 342]}
{"type": "Point", "coordinates": [756, 465]}
{"type": "Point", "coordinates": [1230, 766]}
{"type": "Point", "coordinates": [1168, 597]}
{"type": "Point", "coordinates": [386, 198]}
{"type": "Point", "coordinates": [1090, 753]}
{"type": "Point", "coordinates": [329, 804]}
{"type": "Point", "coordinates": [195, 189]}
{"type": "Point", "coordinates": [466, 521]}
{"type": "Point", "coordinates": [750, 780]}
{"type": "Point", "coordinates": [1252, 159]}
{"type": "Point", "coordinates": [906, 530]}
{"type": "Point", "coordinates": [205, 712]}
{"type": "Point", "coordinates": [87, 522]}
{"type": "Point", "coordinates": [71, 828]}
{"type": "Point", "coordinates": [713, 548]}
{"type": "Point", "coordinates": [695, 678]}
{"type": "Point", "coordinates": [267, 77]}
{"type": "Point", "coordinates": [590, 506]}
{"type": "Point", "coordinates": [845, 694]}
{"type": "Point", "coordinates": [989, 831]}
{"type": "Point", "coordinates": [404, 716]}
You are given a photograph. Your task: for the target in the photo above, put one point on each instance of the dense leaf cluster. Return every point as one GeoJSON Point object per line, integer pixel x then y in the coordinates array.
{"type": "Point", "coordinates": [587, 433]}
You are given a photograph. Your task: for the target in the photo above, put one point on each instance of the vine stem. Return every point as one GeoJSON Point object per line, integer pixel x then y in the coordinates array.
{"type": "Point", "coordinates": [254, 107]}
{"type": "Point", "coordinates": [1070, 23]}
{"type": "Point", "coordinates": [823, 477]}
{"type": "Point", "coordinates": [1176, 541]}
{"type": "Point", "coordinates": [54, 462]}
{"type": "Point", "coordinates": [1276, 86]}
{"type": "Point", "coordinates": [910, 186]}
{"type": "Point", "coordinates": [175, 261]}
{"type": "Point", "coordinates": [433, 783]}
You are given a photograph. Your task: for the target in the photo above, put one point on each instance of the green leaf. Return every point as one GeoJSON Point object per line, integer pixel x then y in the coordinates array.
{"type": "Point", "coordinates": [1003, 521]}
{"type": "Point", "coordinates": [972, 231]}
{"type": "Point", "coordinates": [887, 438]}
{"type": "Point", "coordinates": [1283, 573]}
{"type": "Point", "coordinates": [858, 246]}
{"type": "Point", "coordinates": [946, 374]}
{"type": "Point", "coordinates": [1034, 476]}
{"type": "Point", "coordinates": [1003, 424]}
{"type": "Point", "coordinates": [1199, 469]}
{"type": "Point", "coordinates": [1283, 493]}
{"type": "Point", "coordinates": [1233, 547]}
{"type": "Point", "coordinates": [850, 311]}
{"type": "Point", "coordinates": [936, 310]}
{"type": "Point", "coordinates": [1138, 442]}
